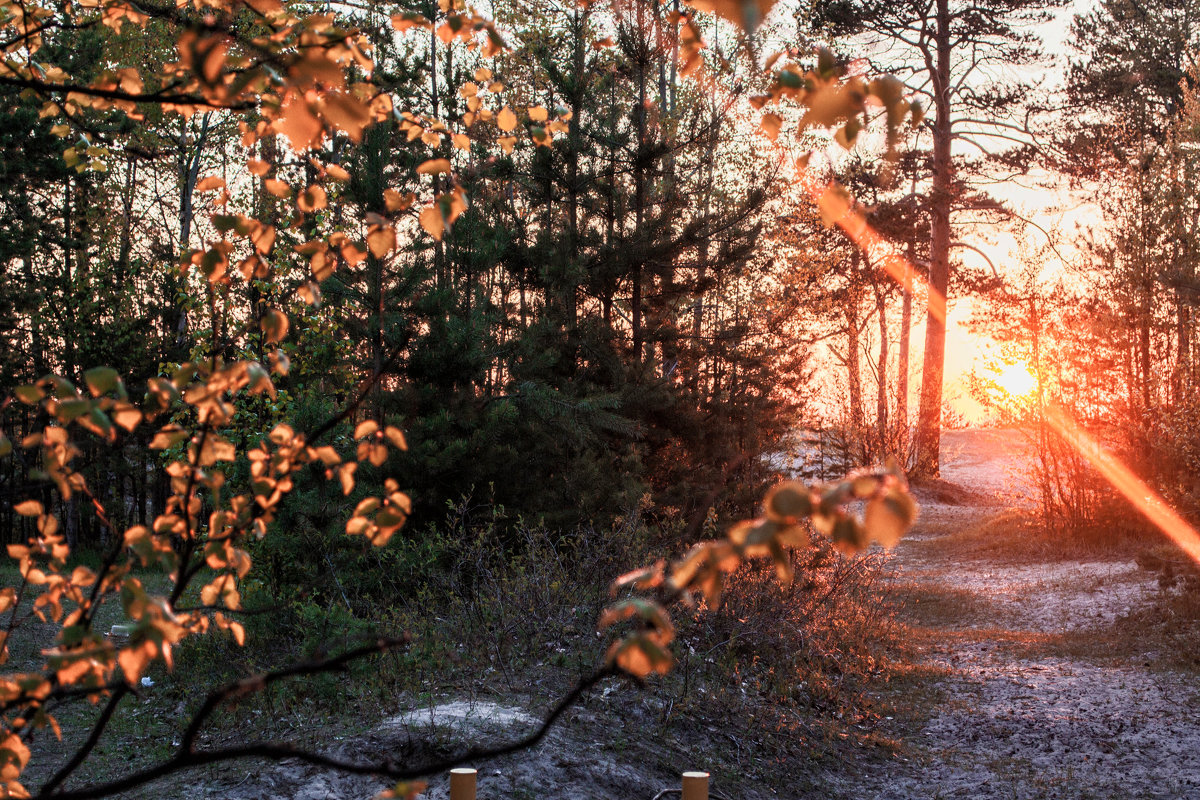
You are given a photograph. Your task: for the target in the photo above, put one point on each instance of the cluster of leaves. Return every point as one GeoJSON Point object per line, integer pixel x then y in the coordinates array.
{"type": "Point", "coordinates": [203, 531]}
{"type": "Point", "coordinates": [788, 510]}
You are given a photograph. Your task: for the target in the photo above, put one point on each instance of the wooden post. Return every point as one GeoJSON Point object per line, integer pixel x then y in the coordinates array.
{"type": "Point", "coordinates": [462, 784]}
{"type": "Point", "coordinates": [695, 786]}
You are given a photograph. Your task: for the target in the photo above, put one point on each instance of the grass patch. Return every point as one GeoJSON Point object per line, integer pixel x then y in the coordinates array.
{"type": "Point", "coordinates": [1011, 536]}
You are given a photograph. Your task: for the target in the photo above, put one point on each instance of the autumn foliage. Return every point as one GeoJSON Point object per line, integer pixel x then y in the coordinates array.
{"type": "Point", "coordinates": [298, 83]}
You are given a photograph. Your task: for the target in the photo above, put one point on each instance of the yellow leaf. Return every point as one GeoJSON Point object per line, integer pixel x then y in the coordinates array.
{"type": "Point", "coordinates": [365, 428]}
{"type": "Point", "coordinates": [538, 114]}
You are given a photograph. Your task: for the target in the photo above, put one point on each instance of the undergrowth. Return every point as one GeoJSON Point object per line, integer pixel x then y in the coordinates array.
{"type": "Point", "coordinates": [512, 614]}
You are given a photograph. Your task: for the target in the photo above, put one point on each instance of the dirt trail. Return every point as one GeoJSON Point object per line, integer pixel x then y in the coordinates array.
{"type": "Point", "coordinates": [1038, 687]}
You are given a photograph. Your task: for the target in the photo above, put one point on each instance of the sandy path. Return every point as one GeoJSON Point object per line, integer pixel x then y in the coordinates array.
{"type": "Point", "coordinates": [1032, 699]}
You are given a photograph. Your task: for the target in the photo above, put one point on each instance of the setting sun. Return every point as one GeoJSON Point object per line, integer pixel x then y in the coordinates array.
{"type": "Point", "coordinates": [1016, 379]}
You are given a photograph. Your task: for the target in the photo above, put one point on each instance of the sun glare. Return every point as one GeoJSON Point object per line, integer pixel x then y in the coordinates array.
{"type": "Point", "coordinates": [1016, 380]}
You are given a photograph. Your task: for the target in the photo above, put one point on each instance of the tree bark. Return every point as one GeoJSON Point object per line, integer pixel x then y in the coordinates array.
{"type": "Point", "coordinates": [929, 423]}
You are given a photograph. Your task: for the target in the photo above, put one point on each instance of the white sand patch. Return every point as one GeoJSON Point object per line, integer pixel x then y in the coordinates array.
{"type": "Point", "coordinates": [477, 714]}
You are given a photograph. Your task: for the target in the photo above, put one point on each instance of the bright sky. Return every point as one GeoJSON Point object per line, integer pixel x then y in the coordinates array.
{"type": "Point", "coordinates": [1049, 206]}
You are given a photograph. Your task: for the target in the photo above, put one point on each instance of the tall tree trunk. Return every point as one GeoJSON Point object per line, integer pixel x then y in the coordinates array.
{"type": "Point", "coordinates": [639, 198]}
{"type": "Point", "coordinates": [929, 424]}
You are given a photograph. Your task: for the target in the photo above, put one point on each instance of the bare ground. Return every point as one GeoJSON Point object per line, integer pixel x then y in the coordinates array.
{"type": "Point", "coordinates": [1026, 675]}
{"type": "Point", "coordinates": [1035, 679]}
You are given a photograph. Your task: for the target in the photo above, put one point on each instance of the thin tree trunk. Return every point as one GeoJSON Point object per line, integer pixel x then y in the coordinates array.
{"type": "Point", "coordinates": [902, 359]}
{"type": "Point", "coordinates": [881, 397]}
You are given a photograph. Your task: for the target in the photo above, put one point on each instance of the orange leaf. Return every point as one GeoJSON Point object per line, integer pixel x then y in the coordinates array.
{"type": "Point", "coordinates": [311, 199]}
{"type": "Point", "coordinates": [396, 201]}
{"type": "Point", "coordinates": [434, 166]}
{"type": "Point", "coordinates": [347, 113]}
{"type": "Point", "coordinates": [771, 123]}
{"type": "Point", "coordinates": [298, 123]}
{"type": "Point", "coordinates": [432, 221]}
{"type": "Point", "coordinates": [29, 508]}
{"type": "Point", "coordinates": [507, 120]}
{"type": "Point", "coordinates": [277, 188]}
{"type": "Point", "coordinates": [396, 437]}
{"type": "Point", "coordinates": [275, 325]}
{"type": "Point", "coordinates": [210, 183]}
{"type": "Point", "coordinates": [381, 240]}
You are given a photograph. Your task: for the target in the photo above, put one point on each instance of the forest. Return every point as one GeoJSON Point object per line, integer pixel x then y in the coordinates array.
{"type": "Point", "coordinates": [590, 391]}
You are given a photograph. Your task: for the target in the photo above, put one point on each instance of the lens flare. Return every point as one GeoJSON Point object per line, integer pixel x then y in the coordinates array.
{"type": "Point", "coordinates": [839, 210]}
{"type": "Point", "coordinates": [1133, 488]}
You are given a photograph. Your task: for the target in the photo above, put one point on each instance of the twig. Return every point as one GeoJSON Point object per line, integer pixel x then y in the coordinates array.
{"type": "Point", "coordinates": [187, 757]}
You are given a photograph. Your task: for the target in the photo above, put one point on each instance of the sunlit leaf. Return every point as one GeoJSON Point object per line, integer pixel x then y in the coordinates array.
{"type": "Point", "coordinates": [432, 221]}
{"type": "Point", "coordinates": [746, 13]}
{"type": "Point", "coordinates": [311, 199]}
{"type": "Point", "coordinates": [788, 502]}
{"type": "Point", "coordinates": [275, 325]}
{"type": "Point", "coordinates": [506, 120]}
{"type": "Point", "coordinates": [396, 437]}
{"type": "Point", "coordinates": [771, 123]}
{"type": "Point", "coordinates": [29, 508]}
{"type": "Point", "coordinates": [210, 183]}
{"type": "Point", "coordinates": [434, 166]}
{"type": "Point", "coordinates": [381, 240]}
